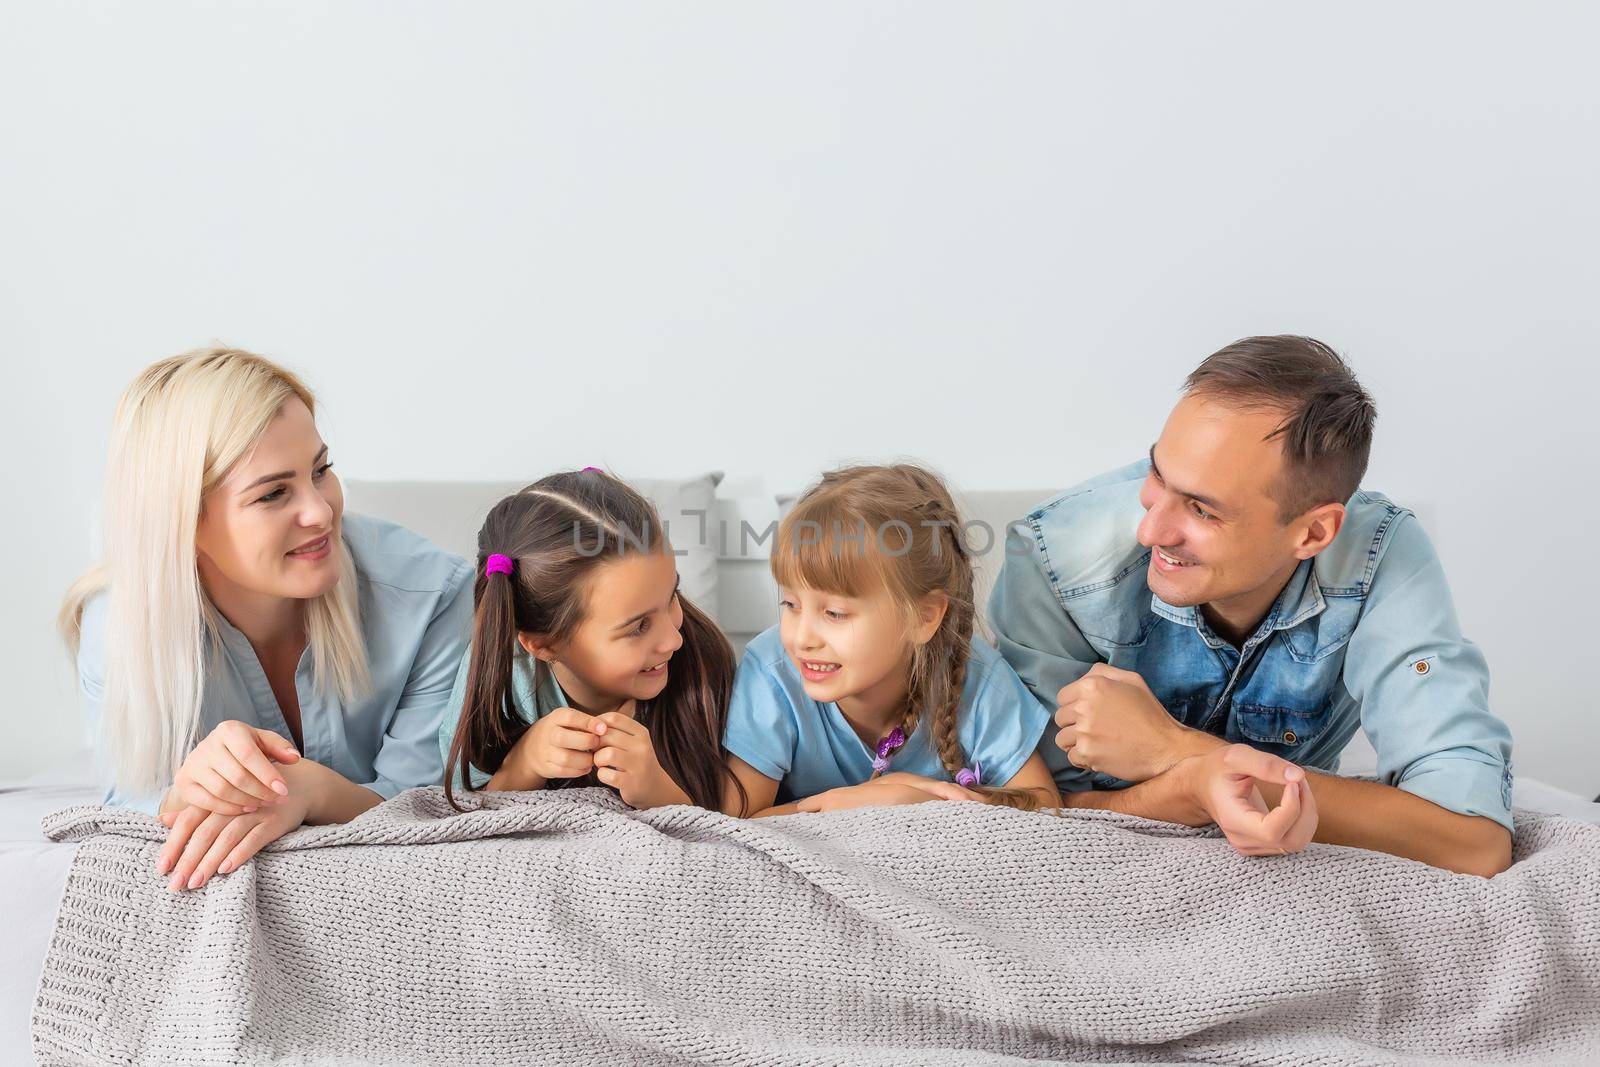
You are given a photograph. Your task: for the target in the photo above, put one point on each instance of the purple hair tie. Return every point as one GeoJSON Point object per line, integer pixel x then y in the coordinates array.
{"type": "Point", "coordinates": [967, 779]}
{"type": "Point", "coordinates": [497, 564]}
{"type": "Point", "coordinates": [586, 470]}
{"type": "Point", "coordinates": [891, 743]}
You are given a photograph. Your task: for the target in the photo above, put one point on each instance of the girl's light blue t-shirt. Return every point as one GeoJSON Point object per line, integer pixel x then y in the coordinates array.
{"type": "Point", "coordinates": [532, 702]}
{"type": "Point", "coordinates": [809, 747]}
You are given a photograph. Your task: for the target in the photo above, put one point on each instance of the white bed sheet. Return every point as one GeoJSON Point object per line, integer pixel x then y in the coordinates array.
{"type": "Point", "coordinates": [33, 871]}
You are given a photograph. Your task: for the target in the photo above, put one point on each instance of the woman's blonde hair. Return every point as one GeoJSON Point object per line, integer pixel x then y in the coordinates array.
{"type": "Point", "coordinates": [895, 529]}
{"type": "Point", "coordinates": [179, 429]}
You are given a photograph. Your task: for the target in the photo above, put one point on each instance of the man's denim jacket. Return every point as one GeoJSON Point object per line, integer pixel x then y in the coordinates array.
{"type": "Point", "coordinates": [1364, 633]}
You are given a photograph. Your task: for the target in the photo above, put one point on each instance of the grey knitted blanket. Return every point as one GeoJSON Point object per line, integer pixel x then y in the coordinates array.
{"type": "Point", "coordinates": [565, 928]}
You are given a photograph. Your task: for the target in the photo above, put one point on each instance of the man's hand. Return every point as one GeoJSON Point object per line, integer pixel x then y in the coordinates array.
{"type": "Point", "coordinates": [1111, 722]}
{"type": "Point", "coordinates": [1223, 783]}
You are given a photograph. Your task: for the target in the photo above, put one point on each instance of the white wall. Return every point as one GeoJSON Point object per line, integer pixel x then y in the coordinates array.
{"type": "Point", "coordinates": [501, 237]}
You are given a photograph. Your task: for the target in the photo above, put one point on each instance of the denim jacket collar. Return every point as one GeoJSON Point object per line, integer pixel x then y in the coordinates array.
{"type": "Point", "coordinates": [1300, 600]}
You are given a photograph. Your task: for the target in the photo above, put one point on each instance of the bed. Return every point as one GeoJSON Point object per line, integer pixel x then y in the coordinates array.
{"type": "Point", "coordinates": [732, 582]}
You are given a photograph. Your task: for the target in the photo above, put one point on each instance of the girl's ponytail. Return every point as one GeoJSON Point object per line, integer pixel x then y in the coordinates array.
{"type": "Point", "coordinates": [489, 725]}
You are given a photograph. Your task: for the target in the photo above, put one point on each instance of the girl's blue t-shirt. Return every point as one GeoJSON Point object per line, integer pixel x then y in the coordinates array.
{"type": "Point", "coordinates": [532, 699]}
{"type": "Point", "coordinates": [809, 747]}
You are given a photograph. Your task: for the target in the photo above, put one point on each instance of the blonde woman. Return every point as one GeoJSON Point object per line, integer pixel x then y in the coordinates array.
{"type": "Point", "coordinates": [251, 657]}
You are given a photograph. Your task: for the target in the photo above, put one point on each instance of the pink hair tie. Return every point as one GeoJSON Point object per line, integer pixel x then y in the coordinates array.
{"type": "Point", "coordinates": [586, 470]}
{"type": "Point", "coordinates": [497, 564]}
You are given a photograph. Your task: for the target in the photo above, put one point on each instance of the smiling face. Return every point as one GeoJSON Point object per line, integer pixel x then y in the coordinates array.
{"type": "Point", "coordinates": [632, 624]}
{"type": "Point", "coordinates": [856, 651]}
{"type": "Point", "coordinates": [843, 646]}
{"type": "Point", "coordinates": [271, 528]}
{"type": "Point", "coordinates": [1212, 520]}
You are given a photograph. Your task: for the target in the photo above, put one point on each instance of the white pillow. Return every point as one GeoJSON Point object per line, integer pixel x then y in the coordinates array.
{"type": "Point", "coordinates": [450, 514]}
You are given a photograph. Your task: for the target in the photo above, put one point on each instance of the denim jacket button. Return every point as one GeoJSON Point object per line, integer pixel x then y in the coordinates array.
{"type": "Point", "coordinates": [1288, 737]}
{"type": "Point", "coordinates": [1421, 667]}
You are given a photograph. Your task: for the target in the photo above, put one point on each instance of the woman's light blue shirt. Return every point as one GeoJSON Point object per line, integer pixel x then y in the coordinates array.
{"type": "Point", "coordinates": [416, 613]}
{"type": "Point", "coordinates": [809, 747]}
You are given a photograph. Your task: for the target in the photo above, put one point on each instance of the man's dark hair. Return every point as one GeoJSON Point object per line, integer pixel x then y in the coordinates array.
{"type": "Point", "coordinates": [1326, 430]}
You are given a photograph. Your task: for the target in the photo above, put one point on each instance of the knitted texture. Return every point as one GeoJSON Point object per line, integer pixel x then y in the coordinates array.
{"type": "Point", "coordinates": [564, 928]}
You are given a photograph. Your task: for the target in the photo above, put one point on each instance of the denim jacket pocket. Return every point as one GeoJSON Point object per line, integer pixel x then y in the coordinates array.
{"type": "Point", "coordinates": [1280, 731]}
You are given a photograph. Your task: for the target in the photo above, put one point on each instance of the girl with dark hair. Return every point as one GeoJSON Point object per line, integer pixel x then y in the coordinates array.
{"type": "Point", "coordinates": [587, 666]}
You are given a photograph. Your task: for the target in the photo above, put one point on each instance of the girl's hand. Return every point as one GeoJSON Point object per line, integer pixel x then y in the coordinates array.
{"type": "Point", "coordinates": [885, 791]}
{"type": "Point", "coordinates": [937, 787]}
{"type": "Point", "coordinates": [202, 843]}
{"type": "Point", "coordinates": [627, 761]}
{"type": "Point", "coordinates": [560, 745]}
{"type": "Point", "coordinates": [232, 771]}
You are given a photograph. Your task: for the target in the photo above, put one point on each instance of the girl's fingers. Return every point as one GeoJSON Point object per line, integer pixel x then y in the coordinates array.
{"type": "Point", "coordinates": [253, 772]}
{"type": "Point", "coordinates": [618, 722]}
{"type": "Point", "coordinates": [571, 718]}
{"type": "Point", "coordinates": [230, 836]}
{"type": "Point", "coordinates": [199, 844]}
{"type": "Point", "coordinates": [183, 824]}
{"type": "Point", "coordinates": [933, 786]}
{"type": "Point", "coordinates": [574, 740]}
{"type": "Point", "coordinates": [949, 791]}
{"type": "Point", "coordinates": [258, 837]}
{"type": "Point", "coordinates": [609, 775]}
{"type": "Point", "coordinates": [570, 764]}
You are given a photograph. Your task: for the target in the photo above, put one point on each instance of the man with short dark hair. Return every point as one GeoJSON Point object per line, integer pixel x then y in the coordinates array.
{"type": "Point", "coordinates": [1212, 619]}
